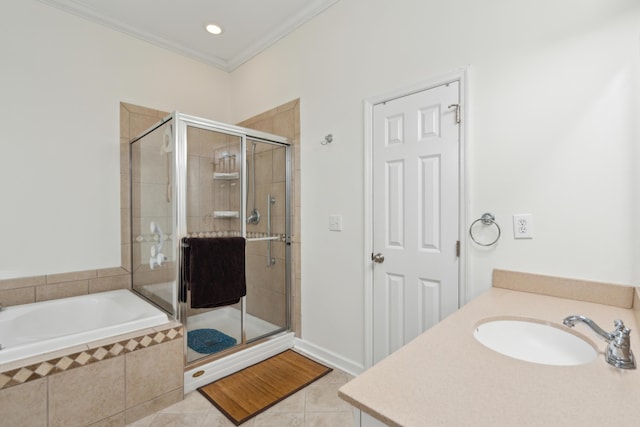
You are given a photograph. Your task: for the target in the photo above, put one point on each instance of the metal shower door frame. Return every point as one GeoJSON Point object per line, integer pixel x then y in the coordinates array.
{"type": "Point", "coordinates": [181, 123]}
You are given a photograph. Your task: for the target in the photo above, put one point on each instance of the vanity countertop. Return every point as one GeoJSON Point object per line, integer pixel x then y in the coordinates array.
{"type": "Point", "coordinates": [444, 377]}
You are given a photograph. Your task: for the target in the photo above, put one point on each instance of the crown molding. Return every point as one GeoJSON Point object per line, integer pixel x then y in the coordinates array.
{"type": "Point", "coordinates": [314, 8]}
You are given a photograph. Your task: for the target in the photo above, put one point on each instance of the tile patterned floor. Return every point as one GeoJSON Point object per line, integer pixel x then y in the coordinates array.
{"type": "Point", "coordinates": [317, 405]}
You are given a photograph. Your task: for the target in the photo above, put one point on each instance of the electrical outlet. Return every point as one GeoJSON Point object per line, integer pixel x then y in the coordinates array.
{"type": "Point", "coordinates": [523, 226]}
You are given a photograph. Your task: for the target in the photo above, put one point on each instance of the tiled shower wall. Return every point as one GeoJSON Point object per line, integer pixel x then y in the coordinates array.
{"type": "Point", "coordinates": [283, 121]}
{"type": "Point", "coordinates": [212, 152]}
{"type": "Point", "coordinates": [266, 282]}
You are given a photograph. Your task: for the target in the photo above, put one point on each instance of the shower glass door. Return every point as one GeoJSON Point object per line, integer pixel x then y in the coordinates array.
{"type": "Point", "coordinates": [153, 257]}
{"type": "Point", "coordinates": [214, 209]}
{"type": "Point", "coordinates": [266, 231]}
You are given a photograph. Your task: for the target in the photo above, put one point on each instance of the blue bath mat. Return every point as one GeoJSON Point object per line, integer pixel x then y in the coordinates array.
{"type": "Point", "coordinates": [209, 341]}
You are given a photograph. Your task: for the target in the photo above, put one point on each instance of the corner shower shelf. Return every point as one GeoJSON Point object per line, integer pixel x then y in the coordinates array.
{"type": "Point", "coordinates": [227, 176]}
{"type": "Point", "coordinates": [226, 214]}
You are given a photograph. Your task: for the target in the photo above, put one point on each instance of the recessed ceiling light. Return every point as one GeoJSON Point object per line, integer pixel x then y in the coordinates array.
{"type": "Point", "coordinates": [214, 29]}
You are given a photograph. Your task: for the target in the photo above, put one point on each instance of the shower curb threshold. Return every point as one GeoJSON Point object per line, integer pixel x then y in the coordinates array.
{"type": "Point", "coordinates": [228, 365]}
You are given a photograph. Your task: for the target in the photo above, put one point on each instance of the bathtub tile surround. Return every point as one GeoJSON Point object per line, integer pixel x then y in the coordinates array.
{"type": "Point", "coordinates": [25, 290]}
{"type": "Point", "coordinates": [71, 402]}
{"type": "Point", "coordinates": [109, 382]}
{"type": "Point", "coordinates": [62, 290]}
{"type": "Point", "coordinates": [25, 405]}
{"type": "Point", "coordinates": [109, 283]}
{"type": "Point", "coordinates": [25, 370]}
{"type": "Point", "coordinates": [17, 296]}
{"type": "Point", "coordinates": [146, 379]}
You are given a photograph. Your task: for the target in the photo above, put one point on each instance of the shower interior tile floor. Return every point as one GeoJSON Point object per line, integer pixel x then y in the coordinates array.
{"type": "Point", "coordinates": [317, 405]}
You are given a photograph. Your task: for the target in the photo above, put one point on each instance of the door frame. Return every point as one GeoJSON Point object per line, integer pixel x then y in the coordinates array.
{"type": "Point", "coordinates": [460, 76]}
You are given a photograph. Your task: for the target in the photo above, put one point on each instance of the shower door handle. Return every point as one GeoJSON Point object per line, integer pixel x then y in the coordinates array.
{"type": "Point", "coordinates": [270, 201]}
{"type": "Point", "coordinates": [379, 258]}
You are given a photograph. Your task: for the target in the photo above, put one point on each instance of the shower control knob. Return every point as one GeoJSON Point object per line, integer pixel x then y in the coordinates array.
{"type": "Point", "coordinates": [157, 260]}
{"type": "Point", "coordinates": [379, 258]}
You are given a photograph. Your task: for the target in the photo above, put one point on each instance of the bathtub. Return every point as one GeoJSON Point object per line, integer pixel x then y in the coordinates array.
{"type": "Point", "coordinates": [33, 329]}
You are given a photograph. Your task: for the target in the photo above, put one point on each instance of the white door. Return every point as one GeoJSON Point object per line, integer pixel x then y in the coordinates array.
{"type": "Point", "coordinates": [415, 215]}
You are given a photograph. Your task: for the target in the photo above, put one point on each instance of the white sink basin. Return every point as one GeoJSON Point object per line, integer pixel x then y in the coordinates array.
{"type": "Point", "coordinates": [535, 342]}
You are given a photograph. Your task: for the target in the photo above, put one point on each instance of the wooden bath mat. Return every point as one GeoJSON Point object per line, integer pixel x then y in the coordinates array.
{"type": "Point", "coordinates": [248, 392]}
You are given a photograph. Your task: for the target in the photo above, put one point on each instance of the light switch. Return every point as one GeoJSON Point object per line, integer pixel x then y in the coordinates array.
{"type": "Point", "coordinates": [335, 222]}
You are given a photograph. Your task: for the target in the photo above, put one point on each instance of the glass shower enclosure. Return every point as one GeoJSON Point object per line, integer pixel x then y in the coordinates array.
{"type": "Point", "coordinates": [196, 178]}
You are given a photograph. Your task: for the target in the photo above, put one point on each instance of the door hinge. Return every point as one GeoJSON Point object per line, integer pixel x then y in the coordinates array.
{"type": "Point", "coordinates": [458, 248]}
{"type": "Point", "coordinates": [457, 107]}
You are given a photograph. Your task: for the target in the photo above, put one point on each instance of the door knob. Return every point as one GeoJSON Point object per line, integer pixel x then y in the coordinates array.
{"type": "Point", "coordinates": [379, 258]}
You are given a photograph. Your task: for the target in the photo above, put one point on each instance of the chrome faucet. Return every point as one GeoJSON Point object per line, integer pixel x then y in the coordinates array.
{"type": "Point", "coordinates": [618, 352]}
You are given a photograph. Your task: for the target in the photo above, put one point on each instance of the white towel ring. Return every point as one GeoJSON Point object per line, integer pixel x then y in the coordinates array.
{"type": "Point", "coordinates": [486, 219]}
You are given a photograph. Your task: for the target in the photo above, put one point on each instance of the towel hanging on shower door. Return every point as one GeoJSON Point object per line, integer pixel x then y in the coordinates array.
{"type": "Point", "coordinates": [215, 270]}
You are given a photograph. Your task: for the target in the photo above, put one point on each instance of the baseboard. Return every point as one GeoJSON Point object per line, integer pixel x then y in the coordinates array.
{"type": "Point", "coordinates": [328, 357]}
{"type": "Point", "coordinates": [233, 363]}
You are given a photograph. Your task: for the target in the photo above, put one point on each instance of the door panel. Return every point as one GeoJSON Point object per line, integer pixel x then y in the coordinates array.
{"type": "Point", "coordinates": [429, 197]}
{"type": "Point", "coordinates": [415, 215]}
{"type": "Point", "coordinates": [395, 194]}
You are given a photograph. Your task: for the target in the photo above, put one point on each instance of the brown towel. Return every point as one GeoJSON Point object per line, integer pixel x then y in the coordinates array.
{"type": "Point", "coordinates": [214, 270]}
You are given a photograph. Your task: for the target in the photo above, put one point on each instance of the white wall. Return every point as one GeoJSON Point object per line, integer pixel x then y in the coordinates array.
{"type": "Point", "coordinates": [552, 126]}
{"type": "Point", "coordinates": [61, 81]}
